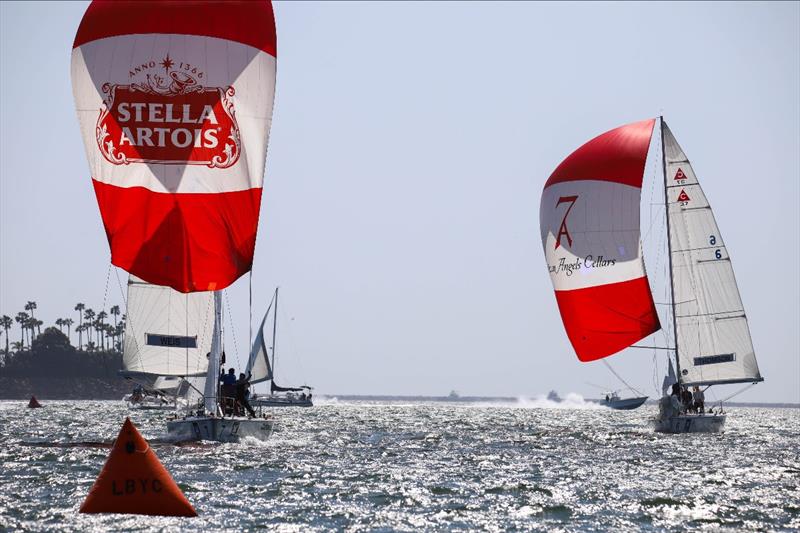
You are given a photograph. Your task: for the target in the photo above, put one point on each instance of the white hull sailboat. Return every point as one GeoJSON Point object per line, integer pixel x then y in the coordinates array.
{"type": "Point", "coordinates": [278, 396]}
{"type": "Point", "coordinates": [175, 336]}
{"type": "Point", "coordinates": [589, 219]}
{"type": "Point", "coordinates": [214, 418]}
{"type": "Point", "coordinates": [181, 214]}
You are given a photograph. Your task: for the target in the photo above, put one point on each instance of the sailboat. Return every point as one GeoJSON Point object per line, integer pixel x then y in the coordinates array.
{"type": "Point", "coordinates": [259, 358]}
{"type": "Point", "coordinates": [175, 101]}
{"type": "Point", "coordinates": [590, 228]}
{"type": "Point", "coordinates": [212, 420]}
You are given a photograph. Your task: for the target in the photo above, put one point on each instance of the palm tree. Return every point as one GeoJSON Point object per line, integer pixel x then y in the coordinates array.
{"type": "Point", "coordinates": [18, 346]}
{"type": "Point", "coordinates": [6, 322]}
{"type": "Point", "coordinates": [59, 323]}
{"type": "Point", "coordinates": [35, 326]}
{"type": "Point", "coordinates": [80, 329]}
{"type": "Point", "coordinates": [101, 316]}
{"type": "Point", "coordinates": [90, 346]}
{"type": "Point", "coordinates": [110, 331]}
{"type": "Point", "coordinates": [31, 325]}
{"type": "Point", "coordinates": [79, 307]}
{"type": "Point", "coordinates": [68, 322]}
{"type": "Point", "coordinates": [119, 331]}
{"type": "Point", "coordinates": [115, 311]}
{"type": "Point", "coordinates": [30, 306]}
{"type": "Point", "coordinates": [88, 315]}
{"type": "Point", "coordinates": [22, 319]}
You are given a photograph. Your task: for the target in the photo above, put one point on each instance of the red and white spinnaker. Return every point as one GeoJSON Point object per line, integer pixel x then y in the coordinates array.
{"type": "Point", "coordinates": [174, 100]}
{"type": "Point", "coordinates": [589, 221]}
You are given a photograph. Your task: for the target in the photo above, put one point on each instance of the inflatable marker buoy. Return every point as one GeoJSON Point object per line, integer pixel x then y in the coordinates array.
{"type": "Point", "coordinates": [133, 481]}
{"type": "Point", "coordinates": [34, 402]}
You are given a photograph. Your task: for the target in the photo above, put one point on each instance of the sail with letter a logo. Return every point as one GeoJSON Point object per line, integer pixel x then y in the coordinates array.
{"type": "Point", "coordinates": [174, 100]}
{"type": "Point", "coordinates": [589, 222]}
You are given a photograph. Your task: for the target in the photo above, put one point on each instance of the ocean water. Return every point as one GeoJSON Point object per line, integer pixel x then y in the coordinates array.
{"type": "Point", "coordinates": [416, 466]}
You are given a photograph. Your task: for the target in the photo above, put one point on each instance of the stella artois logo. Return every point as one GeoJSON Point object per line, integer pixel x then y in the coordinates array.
{"type": "Point", "coordinates": [166, 115]}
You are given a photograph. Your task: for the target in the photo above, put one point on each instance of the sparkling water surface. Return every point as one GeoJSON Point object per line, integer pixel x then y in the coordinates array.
{"type": "Point", "coordinates": [421, 466]}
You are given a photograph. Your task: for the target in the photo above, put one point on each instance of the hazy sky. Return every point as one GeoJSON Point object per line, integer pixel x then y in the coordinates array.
{"type": "Point", "coordinates": [409, 147]}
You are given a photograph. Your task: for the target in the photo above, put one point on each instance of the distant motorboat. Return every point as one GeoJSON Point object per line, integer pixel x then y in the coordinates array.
{"type": "Point", "coordinates": [613, 401]}
{"type": "Point", "coordinates": [553, 396]}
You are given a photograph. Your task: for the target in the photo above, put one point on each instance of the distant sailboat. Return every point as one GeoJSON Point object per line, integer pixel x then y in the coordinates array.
{"type": "Point", "coordinates": [589, 220]}
{"type": "Point", "coordinates": [263, 369]}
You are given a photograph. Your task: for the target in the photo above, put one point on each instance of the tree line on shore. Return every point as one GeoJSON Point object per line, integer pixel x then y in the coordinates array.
{"type": "Point", "coordinates": [95, 328]}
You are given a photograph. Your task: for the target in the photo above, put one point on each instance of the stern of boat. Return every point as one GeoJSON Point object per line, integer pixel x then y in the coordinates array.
{"type": "Point", "coordinates": [218, 429]}
{"type": "Point", "coordinates": [705, 423]}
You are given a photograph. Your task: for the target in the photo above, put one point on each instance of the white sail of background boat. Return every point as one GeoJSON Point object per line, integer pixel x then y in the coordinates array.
{"type": "Point", "coordinates": [168, 338]}
{"type": "Point", "coordinates": [262, 369]}
{"type": "Point", "coordinates": [590, 227]}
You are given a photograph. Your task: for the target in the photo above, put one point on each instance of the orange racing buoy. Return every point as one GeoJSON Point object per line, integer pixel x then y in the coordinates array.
{"type": "Point", "coordinates": [34, 402]}
{"type": "Point", "coordinates": [133, 481]}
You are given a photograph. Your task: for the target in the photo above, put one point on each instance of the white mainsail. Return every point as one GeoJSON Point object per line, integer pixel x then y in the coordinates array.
{"type": "Point", "coordinates": [167, 333]}
{"type": "Point", "coordinates": [258, 364]}
{"type": "Point", "coordinates": [713, 339]}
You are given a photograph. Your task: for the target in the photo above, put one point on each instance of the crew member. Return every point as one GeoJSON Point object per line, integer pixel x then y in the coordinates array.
{"type": "Point", "coordinates": [242, 386]}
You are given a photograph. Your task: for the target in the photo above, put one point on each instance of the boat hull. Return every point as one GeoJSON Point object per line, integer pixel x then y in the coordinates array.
{"type": "Point", "coordinates": [281, 402]}
{"type": "Point", "coordinates": [705, 423]}
{"type": "Point", "coordinates": [218, 429]}
{"type": "Point", "coordinates": [625, 404]}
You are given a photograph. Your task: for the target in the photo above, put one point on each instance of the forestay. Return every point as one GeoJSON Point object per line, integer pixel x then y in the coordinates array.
{"type": "Point", "coordinates": [167, 333]}
{"type": "Point", "coordinates": [713, 338]}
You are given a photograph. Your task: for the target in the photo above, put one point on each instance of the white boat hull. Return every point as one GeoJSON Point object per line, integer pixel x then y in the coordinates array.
{"type": "Point", "coordinates": [281, 402]}
{"type": "Point", "coordinates": [233, 429]}
{"type": "Point", "coordinates": [705, 423]}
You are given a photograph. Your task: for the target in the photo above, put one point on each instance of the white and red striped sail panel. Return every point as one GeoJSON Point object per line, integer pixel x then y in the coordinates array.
{"type": "Point", "coordinates": [589, 220]}
{"type": "Point", "coordinates": [174, 100]}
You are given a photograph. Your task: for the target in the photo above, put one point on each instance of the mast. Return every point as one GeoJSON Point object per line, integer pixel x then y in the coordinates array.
{"type": "Point", "coordinates": [669, 251]}
{"type": "Point", "coordinates": [212, 376]}
{"type": "Point", "coordinates": [274, 329]}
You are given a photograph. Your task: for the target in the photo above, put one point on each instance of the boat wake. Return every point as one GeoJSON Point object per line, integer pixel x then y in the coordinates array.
{"type": "Point", "coordinates": [571, 401]}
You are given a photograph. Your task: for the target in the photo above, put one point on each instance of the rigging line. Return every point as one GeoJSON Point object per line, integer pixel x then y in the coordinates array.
{"type": "Point", "coordinates": [250, 310]}
{"type": "Point", "coordinates": [128, 322]}
{"type": "Point", "coordinates": [737, 393]}
{"type": "Point", "coordinates": [233, 330]}
{"type": "Point", "coordinates": [608, 366]}
{"type": "Point", "coordinates": [105, 299]}
{"type": "Point", "coordinates": [655, 372]}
